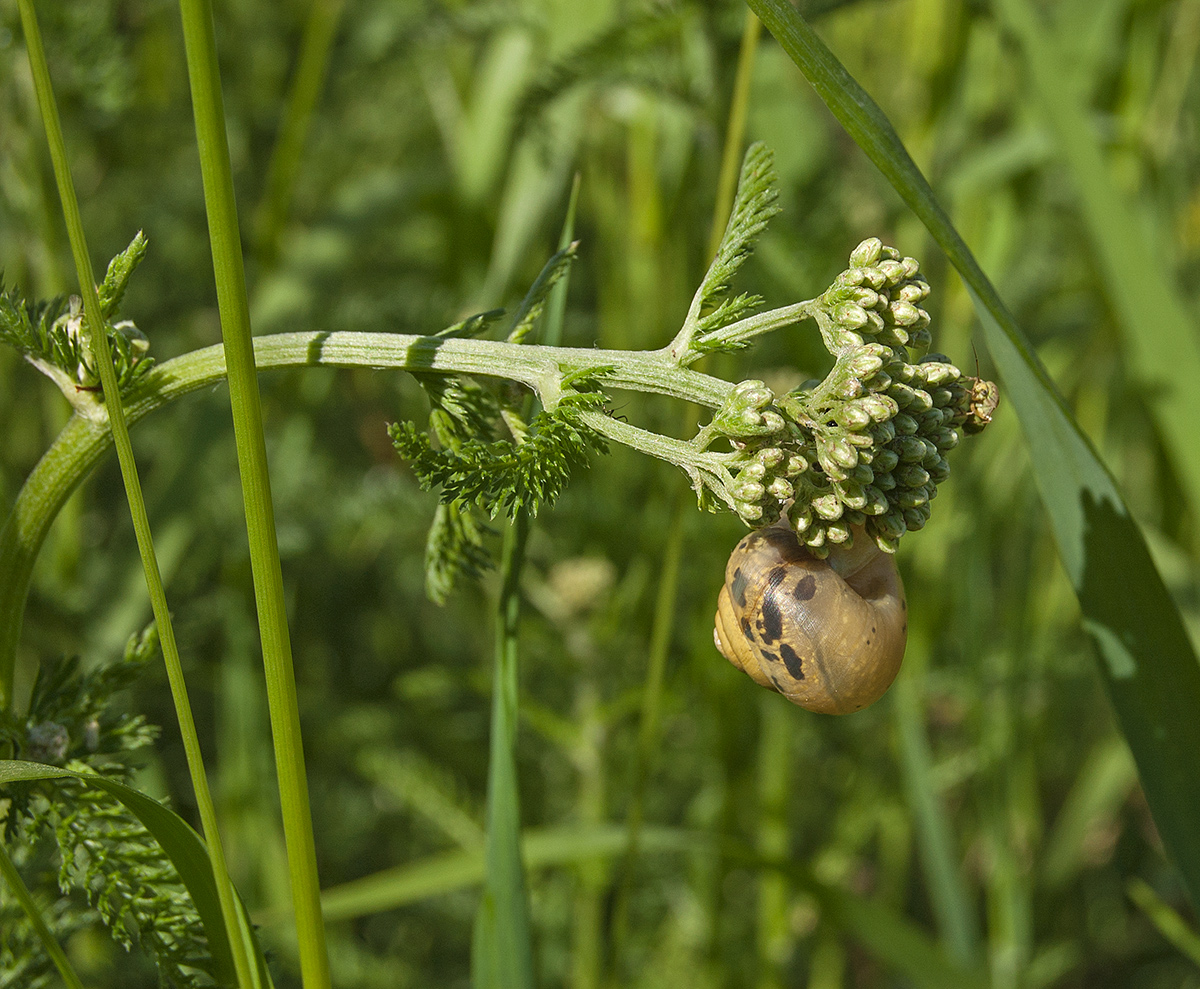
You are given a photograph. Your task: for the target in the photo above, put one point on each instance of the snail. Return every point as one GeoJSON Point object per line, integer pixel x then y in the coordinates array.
{"type": "Point", "coordinates": [827, 634]}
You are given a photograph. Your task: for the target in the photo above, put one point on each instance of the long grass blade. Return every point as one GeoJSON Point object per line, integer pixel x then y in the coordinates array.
{"type": "Point", "coordinates": [1146, 659]}
{"type": "Point", "coordinates": [20, 892]}
{"type": "Point", "coordinates": [1158, 333]}
{"type": "Point", "coordinates": [187, 853]}
{"type": "Point", "coordinates": [98, 336]}
{"type": "Point", "coordinates": [230, 276]}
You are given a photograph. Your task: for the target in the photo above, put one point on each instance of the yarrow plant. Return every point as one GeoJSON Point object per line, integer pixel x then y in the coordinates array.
{"type": "Point", "coordinates": [511, 421]}
{"type": "Point", "coordinates": [866, 446]}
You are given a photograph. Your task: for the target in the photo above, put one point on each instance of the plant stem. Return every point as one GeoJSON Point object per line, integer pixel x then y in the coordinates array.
{"type": "Point", "coordinates": [83, 443]}
{"type": "Point", "coordinates": [229, 273]}
{"type": "Point", "coordinates": [98, 336]}
{"type": "Point", "coordinates": [501, 955]}
{"type": "Point", "coordinates": [50, 944]}
{"type": "Point", "coordinates": [311, 68]}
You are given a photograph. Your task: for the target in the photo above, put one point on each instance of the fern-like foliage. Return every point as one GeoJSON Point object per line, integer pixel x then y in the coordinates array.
{"type": "Point", "coordinates": [454, 550]}
{"type": "Point", "coordinates": [112, 865]}
{"type": "Point", "coordinates": [535, 299]}
{"type": "Point", "coordinates": [472, 326]}
{"type": "Point", "coordinates": [50, 335]}
{"type": "Point", "coordinates": [753, 208]}
{"type": "Point", "coordinates": [505, 476]}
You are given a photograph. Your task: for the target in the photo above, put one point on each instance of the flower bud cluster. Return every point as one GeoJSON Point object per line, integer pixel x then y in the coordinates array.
{"type": "Point", "coordinates": [876, 300]}
{"type": "Point", "coordinates": [867, 446]}
{"type": "Point", "coordinates": [880, 441]}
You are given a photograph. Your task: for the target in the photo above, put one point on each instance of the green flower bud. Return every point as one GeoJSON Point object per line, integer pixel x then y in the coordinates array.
{"type": "Point", "coordinates": [850, 316]}
{"type": "Point", "coordinates": [866, 253]}
{"type": "Point", "coordinates": [837, 532]}
{"type": "Point", "coordinates": [886, 544]}
{"type": "Point", "coordinates": [862, 474]}
{"type": "Point", "coordinates": [877, 503]}
{"type": "Point", "coordinates": [879, 407]}
{"type": "Point", "coordinates": [754, 471]}
{"type": "Point", "coordinates": [867, 360]}
{"type": "Point", "coordinates": [885, 461]}
{"type": "Point", "coordinates": [771, 422]}
{"type": "Point", "coordinates": [849, 388]}
{"type": "Point", "coordinates": [779, 489]}
{"type": "Point", "coordinates": [914, 291]}
{"type": "Point", "coordinates": [939, 471]}
{"type": "Point", "coordinates": [904, 425]}
{"type": "Point", "coordinates": [891, 525]}
{"type": "Point", "coordinates": [911, 497]}
{"type": "Point", "coordinates": [885, 482]}
{"type": "Point", "coordinates": [751, 394]}
{"type": "Point", "coordinates": [915, 518]}
{"type": "Point", "coordinates": [769, 456]}
{"type": "Point", "coordinates": [851, 494]}
{"type": "Point", "coordinates": [893, 272]}
{"type": "Point", "coordinates": [747, 491]}
{"type": "Point", "coordinates": [883, 433]}
{"type": "Point", "coordinates": [750, 512]}
{"type": "Point", "coordinates": [912, 475]}
{"type": "Point", "coordinates": [852, 416]}
{"type": "Point", "coordinates": [909, 448]}
{"type": "Point", "coordinates": [827, 507]}
{"type": "Point", "coordinates": [905, 313]}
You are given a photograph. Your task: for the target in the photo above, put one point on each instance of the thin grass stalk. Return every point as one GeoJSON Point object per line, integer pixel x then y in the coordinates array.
{"type": "Point", "coordinates": [502, 943]}
{"type": "Point", "coordinates": [663, 622]}
{"type": "Point", "coordinates": [320, 29]}
{"type": "Point", "coordinates": [225, 237]}
{"type": "Point", "coordinates": [1145, 656]}
{"type": "Point", "coordinates": [735, 127]}
{"type": "Point", "coordinates": [502, 948]}
{"type": "Point", "coordinates": [952, 906]}
{"type": "Point", "coordinates": [776, 779]}
{"type": "Point", "coordinates": [9, 873]}
{"type": "Point", "coordinates": [661, 629]}
{"type": "Point", "coordinates": [98, 337]}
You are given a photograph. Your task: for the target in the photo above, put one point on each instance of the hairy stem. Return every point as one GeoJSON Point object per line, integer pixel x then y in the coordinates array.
{"type": "Point", "coordinates": [84, 442]}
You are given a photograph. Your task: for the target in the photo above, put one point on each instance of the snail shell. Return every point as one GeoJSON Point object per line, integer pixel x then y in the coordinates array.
{"type": "Point", "coordinates": [827, 634]}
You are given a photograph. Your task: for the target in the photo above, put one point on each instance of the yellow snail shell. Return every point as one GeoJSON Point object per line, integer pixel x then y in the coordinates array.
{"type": "Point", "coordinates": [827, 634]}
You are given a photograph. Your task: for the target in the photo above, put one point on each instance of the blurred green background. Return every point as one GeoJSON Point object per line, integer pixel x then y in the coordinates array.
{"type": "Point", "coordinates": [987, 801]}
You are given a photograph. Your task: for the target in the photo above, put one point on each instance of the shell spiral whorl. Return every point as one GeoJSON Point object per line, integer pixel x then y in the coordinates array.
{"type": "Point", "coordinates": [827, 634]}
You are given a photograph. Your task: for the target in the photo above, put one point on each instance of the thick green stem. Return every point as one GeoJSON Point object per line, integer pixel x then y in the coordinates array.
{"type": "Point", "coordinates": [84, 442]}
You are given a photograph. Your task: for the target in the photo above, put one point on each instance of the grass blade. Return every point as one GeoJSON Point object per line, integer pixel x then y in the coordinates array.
{"type": "Point", "coordinates": [230, 276]}
{"type": "Point", "coordinates": [1146, 659]}
{"type": "Point", "coordinates": [98, 336]}
{"type": "Point", "coordinates": [12, 878]}
{"type": "Point", "coordinates": [1157, 331]}
{"type": "Point", "coordinates": [502, 943]}
{"type": "Point", "coordinates": [187, 853]}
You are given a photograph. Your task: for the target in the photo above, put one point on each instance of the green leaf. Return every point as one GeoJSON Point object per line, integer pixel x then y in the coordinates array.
{"type": "Point", "coordinates": [1146, 659]}
{"type": "Point", "coordinates": [116, 279]}
{"type": "Point", "coordinates": [887, 934]}
{"type": "Point", "coordinates": [504, 477]}
{"type": "Point", "coordinates": [183, 846]}
{"type": "Point", "coordinates": [535, 299]}
{"type": "Point", "coordinates": [454, 550]}
{"type": "Point", "coordinates": [753, 207]}
{"type": "Point", "coordinates": [1158, 332]}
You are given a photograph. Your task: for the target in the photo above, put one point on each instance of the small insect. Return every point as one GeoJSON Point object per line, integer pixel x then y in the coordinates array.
{"type": "Point", "coordinates": [985, 398]}
{"type": "Point", "coordinates": [612, 413]}
{"type": "Point", "coordinates": [827, 634]}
